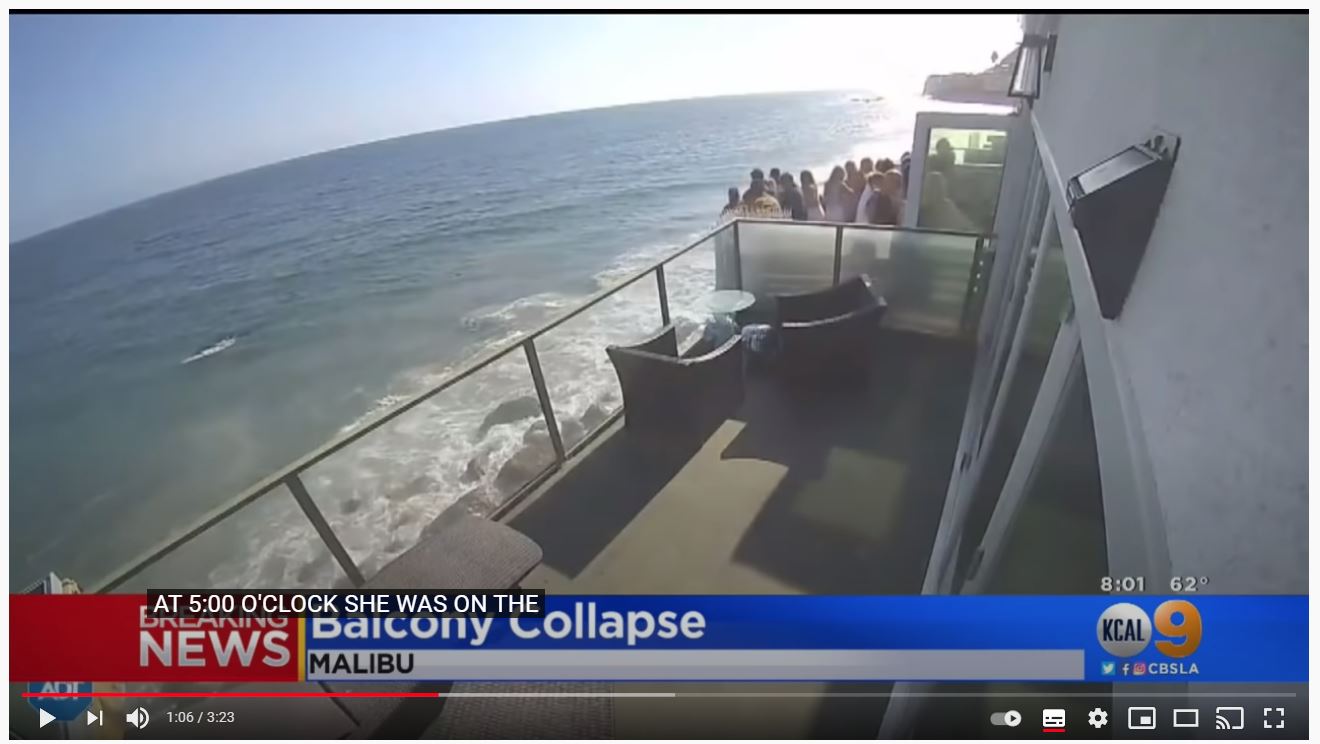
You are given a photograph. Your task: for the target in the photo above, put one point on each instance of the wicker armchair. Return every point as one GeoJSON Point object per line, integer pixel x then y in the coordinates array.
{"type": "Point", "coordinates": [672, 397]}
{"type": "Point", "coordinates": [827, 335]}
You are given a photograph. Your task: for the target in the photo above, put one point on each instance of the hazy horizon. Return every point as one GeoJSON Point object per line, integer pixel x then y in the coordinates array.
{"type": "Point", "coordinates": [366, 143]}
{"type": "Point", "coordinates": [111, 110]}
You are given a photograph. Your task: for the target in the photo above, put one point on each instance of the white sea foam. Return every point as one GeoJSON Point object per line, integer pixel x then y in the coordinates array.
{"type": "Point", "coordinates": [215, 348]}
{"type": "Point", "coordinates": [381, 492]}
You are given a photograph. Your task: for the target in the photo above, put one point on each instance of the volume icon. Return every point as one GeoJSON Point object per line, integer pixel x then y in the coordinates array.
{"type": "Point", "coordinates": [138, 717]}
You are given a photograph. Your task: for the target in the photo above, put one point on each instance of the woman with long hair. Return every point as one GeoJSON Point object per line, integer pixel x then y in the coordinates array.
{"type": "Point", "coordinates": [811, 196]}
{"type": "Point", "coordinates": [838, 197]}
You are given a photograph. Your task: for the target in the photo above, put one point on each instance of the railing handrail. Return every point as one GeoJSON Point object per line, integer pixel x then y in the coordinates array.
{"type": "Point", "coordinates": [291, 472]}
{"type": "Point", "coordinates": [865, 226]}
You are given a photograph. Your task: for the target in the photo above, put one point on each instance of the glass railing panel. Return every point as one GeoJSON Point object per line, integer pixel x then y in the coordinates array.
{"type": "Point", "coordinates": [582, 384]}
{"type": "Point", "coordinates": [785, 257]}
{"type": "Point", "coordinates": [963, 172]}
{"type": "Point", "coordinates": [692, 277]}
{"type": "Point", "coordinates": [268, 544]}
{"type": "Point", "coordinates": [923, 276]}
{"type": "Point", "coordinates": [471, 446]}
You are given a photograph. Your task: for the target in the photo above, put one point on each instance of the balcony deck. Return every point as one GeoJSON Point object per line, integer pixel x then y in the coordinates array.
{"type": "Point", "coordinates": [802, 492]}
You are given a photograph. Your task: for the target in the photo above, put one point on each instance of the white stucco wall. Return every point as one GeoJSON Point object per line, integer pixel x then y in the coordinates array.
{"type": "Point", "coordinates": [1213, 338]}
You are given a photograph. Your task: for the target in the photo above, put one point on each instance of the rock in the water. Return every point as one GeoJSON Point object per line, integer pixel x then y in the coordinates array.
{"type": "Point", "coordinates": [525, 464]}
{"type": "Point", "coordinates": [405, 517]}
{"type": "Point", "coordinates": [477, 502]}
{"type": "Point", "coordinates": [536, 433]}
{"type": "Point", "coordinates": [592, 417]}
{"type": "Point", "coordinates": [419, 485]}
{"type": "Point", "coordinates": [474, 470]}
{"type": "Point", "coordinates": [509, 411]}
{"type": "Point", "coordinates": [571, 431]}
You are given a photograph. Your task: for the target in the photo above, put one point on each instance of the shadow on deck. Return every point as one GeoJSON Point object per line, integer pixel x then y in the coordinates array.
{"type": "Point", "coordinates": [803, 491]}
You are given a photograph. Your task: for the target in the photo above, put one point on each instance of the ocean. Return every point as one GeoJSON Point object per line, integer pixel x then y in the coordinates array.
{"type": "Point", "coordinates": [168, 354]}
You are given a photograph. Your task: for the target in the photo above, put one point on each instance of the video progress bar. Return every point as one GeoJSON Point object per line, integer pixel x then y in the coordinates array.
{"type": "Point", "coordinates": [748, 694]}
{"type": "Point", "coordinates": [351, 694]}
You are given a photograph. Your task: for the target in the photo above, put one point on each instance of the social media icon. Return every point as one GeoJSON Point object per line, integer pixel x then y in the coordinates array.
{"type": "Point", "coordinates": [1139, 668]}
{"type": "Point", "coordinates": [1107, 668]}
{"type": "Point", "coordinates": [1141, 718]}
{"type": "Point", "coordinates": [1053, 720]}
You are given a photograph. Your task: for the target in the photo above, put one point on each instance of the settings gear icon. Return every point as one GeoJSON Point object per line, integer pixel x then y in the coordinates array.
{"type": "Point", "coordinates": [1098, 718]}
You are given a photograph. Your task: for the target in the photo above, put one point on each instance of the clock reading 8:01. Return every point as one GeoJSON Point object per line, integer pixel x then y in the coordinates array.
{"type": "Point", "coordinates": [1123, 584]}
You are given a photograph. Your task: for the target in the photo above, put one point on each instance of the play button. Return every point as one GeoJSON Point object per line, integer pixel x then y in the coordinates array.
{"type": "Point", "coordinates": [44, 717]}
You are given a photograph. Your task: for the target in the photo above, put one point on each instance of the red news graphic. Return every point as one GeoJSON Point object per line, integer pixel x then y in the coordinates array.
{"type": "Point", "coordinates": [111, 638]}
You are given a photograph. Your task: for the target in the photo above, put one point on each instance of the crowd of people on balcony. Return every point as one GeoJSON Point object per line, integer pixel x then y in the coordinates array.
{"type": "Point", "coordinates": [869, 192]}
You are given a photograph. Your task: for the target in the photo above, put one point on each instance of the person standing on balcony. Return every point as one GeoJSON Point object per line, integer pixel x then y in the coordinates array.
{"type": "Point", "coordinates": [866, 168]}
{"type": "Point", "coordinates": [943, 159]}
{"type": "Point", "coordinates": [869, 192]}
{"type": "Point", "coordinates": [887, 205]}
{"type": "Point", "coordinates": [810, 195]}
{"type": "Point", "coordinates": [731, 209]}
{"type": "Point", "coordinates": [757, 177]}
{"type": "Point", "coordinates": [837, 196]}
{"type": "Point", "coordinates": [761, 204]}
{"type": "Point", "coordinates": [772, 184]}
{"type": "Point", "coordinates": [790, 198]}
{"type": "Point", "coordinates": [856, 182]}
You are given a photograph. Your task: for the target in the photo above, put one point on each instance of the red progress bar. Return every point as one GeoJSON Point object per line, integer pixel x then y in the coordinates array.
{"type": "Point", "coordinates": [234, 694]}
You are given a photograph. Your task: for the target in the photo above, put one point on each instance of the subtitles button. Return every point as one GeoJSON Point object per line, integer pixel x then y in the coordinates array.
{"type": "Point", "coordinates": [1010, 718]}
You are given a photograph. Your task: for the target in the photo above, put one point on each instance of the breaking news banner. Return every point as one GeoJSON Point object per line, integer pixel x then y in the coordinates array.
{"type": "Point", "coordinates": [1246, 639]}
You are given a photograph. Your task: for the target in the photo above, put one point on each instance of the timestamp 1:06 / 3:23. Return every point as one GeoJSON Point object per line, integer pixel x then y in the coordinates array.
{"type": "Point", "coordinates": [199, 716]}
{"type": "Point", "coordinates": [1137, 584]}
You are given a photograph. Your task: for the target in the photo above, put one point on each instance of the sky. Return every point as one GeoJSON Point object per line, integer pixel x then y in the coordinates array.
{"type": "Point", "coordinates": [109, 109]}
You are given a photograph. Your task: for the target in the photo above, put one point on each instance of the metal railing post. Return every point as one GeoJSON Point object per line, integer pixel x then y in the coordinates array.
{"type": "Point", "coordinates": [737, 255]}
{"type": "Point", "coordinates": [838, 253]}
{"type": "Point", "coordinates": [328, 536]}
{"type": "Point", "coordinates": [664, 296]}
{"type": "Point", "coordinates": [543, 395]}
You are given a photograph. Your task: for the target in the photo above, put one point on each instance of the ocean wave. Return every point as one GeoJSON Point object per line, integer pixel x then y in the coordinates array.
{"type": "Point", "coordinates": [472, 445]}
{"type": "Point", "coordinates": [215, 348]}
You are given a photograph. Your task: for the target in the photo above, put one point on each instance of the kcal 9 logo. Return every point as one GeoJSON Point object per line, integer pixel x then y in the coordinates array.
{"type": "Point", "coordinates": [1124, 629]}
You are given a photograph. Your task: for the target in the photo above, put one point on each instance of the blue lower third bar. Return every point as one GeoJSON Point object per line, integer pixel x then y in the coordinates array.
{"type": "Point", "coordinates": [824, 665]}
